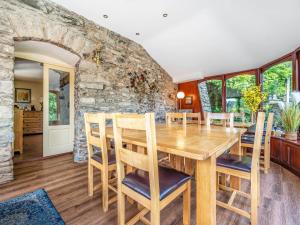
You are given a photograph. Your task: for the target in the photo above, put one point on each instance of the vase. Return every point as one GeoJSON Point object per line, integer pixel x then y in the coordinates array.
{"type": "Point", "coordinates": [291, 136]}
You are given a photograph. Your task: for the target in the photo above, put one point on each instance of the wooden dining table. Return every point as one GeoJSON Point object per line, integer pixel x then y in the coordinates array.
{"type": "Point", "coordinates": [201, 143]}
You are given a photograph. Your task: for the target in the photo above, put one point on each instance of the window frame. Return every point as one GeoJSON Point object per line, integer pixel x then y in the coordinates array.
{"type": "Point", "coordinates": [294, 57]}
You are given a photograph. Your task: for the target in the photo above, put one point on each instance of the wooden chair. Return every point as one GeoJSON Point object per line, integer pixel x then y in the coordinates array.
{"type": "Point", "coordinates": [241, 116]}
{"type": "Point", "coordinates": [247, 168]}
{"type": "Point", "coordinates": [247, 141]}
{"type": "Point", "coordinates": [175, 118]}
{"type": "Point", "coordinates": [193, 118]}
{"type": "Point", "coordinates": [224, 117]}
{"type": "Point", "coordinates": [104, 160]}
{"type": "Point", "coordinates": [151, 186]}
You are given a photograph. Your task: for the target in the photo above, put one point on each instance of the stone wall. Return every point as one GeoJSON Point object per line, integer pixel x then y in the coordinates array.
{"type": "Point", "coordinates": [126, 80]}
{"type": "Point", "coordinates": [204, 97]}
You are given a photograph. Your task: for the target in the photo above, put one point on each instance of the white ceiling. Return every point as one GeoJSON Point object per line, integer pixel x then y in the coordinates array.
{"type": "Point", "coordinates": [201, 37]}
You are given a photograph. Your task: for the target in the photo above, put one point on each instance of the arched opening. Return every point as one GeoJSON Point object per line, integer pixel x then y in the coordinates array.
{"type": "Point", "coordinates": [44, 100]}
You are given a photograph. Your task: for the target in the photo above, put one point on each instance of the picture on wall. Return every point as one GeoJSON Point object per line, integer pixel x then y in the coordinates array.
{"type": "Point", "coordinates": [189, 100]}
{"type": "Point", "coordinates": [22, 95]}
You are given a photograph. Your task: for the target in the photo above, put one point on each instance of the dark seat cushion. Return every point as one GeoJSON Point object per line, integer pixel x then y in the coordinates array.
{"type": "Point", "coordinates": [249, 139]}
{"type": "Point", "coordinates": [111, 157]}
{"type": "Point", "coordinates": [169, 181]}
{"type": "Point", "coordinates": [242, 163]}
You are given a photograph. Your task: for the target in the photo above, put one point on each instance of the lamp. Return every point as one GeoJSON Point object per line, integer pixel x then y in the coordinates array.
{"type": "Point", "coordinates": [180, 95]}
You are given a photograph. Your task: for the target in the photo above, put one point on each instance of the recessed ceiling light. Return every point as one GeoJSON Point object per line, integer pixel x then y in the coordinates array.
{"type": "Point", "coordinates": [105, 16]}
{"type": "Point", "coordinates": [137, 34]}
{"type": "Point", "coordinates": [165, 14]}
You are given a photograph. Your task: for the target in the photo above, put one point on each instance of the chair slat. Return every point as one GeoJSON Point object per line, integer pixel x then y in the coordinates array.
{"type": "Point", "coordinates": [220, 116]}
{"type": "Point", "coordinates": [95, 141]}
{"type": "Point", "coordinates": [134, 159]}
{"type": "Point", "coordinates": [135, 122]}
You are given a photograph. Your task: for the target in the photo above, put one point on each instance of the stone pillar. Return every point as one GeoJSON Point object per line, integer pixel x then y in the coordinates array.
{"type": "Point", "coordinates": [204, 97]}
{"type": "Point", "coordinates": [6, 105]}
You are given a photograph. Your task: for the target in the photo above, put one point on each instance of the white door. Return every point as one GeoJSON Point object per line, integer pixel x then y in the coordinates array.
{"type": "Point", "coordinates": [58, 125]}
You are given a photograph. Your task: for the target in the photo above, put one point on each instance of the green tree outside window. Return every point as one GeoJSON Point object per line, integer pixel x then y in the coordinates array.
{"type": "Point", "coordinates": [53, 109]}
{"type": "Point", "coordinates": [277, 81]}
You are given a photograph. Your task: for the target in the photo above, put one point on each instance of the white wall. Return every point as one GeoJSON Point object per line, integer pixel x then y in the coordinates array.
{"type": "Point", "coordinates": [36, 92]}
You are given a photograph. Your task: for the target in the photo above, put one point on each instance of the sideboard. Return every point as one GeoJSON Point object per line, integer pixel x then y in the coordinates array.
{"type": "Point", "coordinates": [286, 153]}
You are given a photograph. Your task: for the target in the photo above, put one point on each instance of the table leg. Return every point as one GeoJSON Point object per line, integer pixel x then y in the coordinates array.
{"type": "Point", "coordinates": [206, 191]}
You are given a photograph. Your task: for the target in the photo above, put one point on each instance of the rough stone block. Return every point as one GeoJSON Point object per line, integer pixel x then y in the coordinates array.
{"type": "Point", "coordinates": [87, 101]}
{"type": "Point", "coordinates": [6, 88]}
{"type": "Point", "coordinates": [90, 85]}
{"type": "Point", "coordinates": [6, 112]}
{"type": "Point", "coordinates": [6, 74]}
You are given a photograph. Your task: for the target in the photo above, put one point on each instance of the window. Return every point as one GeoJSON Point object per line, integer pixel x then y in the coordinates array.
{"type": "Point", "coordinates": [59, 97]}
{"type": "Point", "coordinates": [277, 83]}
{"type": "Point", "coordinates": [211, 95]}
{"type": "Point", "coordinates": [234, 88]}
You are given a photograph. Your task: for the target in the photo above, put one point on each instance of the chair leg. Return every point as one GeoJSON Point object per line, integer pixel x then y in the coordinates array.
{"type": "Point", "coordinates": [244, 150]}
{"type": "Point", "coordinates": [218, 182]}
{"type": "Point", "coordinates": [266, 159]}
{"type": "Point", "coordinates": [121, 208]}
{"type": "Point", "coordinates": [258, 188]}
{"type": "Point", "coordinates": [254, 200]}
{"type": "Point", "coordinates": [90, 179]}
{"type": "Point", "coordinates": [222, 179]}
{"type": "Point", "coordinates": [187, 205]}
{"type": "Point", "coordinates": [155, 212]}
{"type": "Point", "coordinates": [104, 174]}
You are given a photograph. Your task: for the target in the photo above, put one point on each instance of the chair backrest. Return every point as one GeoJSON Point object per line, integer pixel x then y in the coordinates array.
{"type": "Point", "coordinates": [96, 136]}
{"type": "Point", "coordinates": [240, 115]}
{"type": "Point", "coordinates": [269, 129]}
{"type": "Point", "coordinates": [172, 117]}
{"type": "Point", "coordinates": [193, 118]}
{"type": "Point", "coordinates": [224, 117]}
{"type": "Point", "coordinates": [147, 162]}
{"type": "Point", "coordinates": [257, 142]}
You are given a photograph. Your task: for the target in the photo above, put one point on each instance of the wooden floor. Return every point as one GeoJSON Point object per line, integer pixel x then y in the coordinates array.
{"type": "Point", "coordinates": [33, 148]}
{"type": "Point", "coordinates": [66, 183]}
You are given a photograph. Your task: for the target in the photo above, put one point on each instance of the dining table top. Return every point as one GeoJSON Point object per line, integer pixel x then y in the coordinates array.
{"type": "Point", "coordinates": [197, 142]}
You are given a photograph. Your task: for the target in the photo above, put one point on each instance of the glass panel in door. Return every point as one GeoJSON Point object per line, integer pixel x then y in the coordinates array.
{"type": "Point", "coordinates": [59, 97]}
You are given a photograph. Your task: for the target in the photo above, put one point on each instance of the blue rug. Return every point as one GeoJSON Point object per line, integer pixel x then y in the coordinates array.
{"type": "Point", "coordinates": [33, 208]}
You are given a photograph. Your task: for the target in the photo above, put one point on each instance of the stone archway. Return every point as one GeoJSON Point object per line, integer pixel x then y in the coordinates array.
{"type": "Point", "coordinates": [105, 87]}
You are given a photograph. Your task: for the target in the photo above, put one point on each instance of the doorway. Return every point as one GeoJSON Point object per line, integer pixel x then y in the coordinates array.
{"type": "Point", "coordinates": [28, 109]}
{"type": "Point", "coordinates": [44, 102]}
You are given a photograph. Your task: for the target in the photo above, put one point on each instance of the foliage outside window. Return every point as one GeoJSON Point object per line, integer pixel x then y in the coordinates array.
{"type": "Point", "coordinates": [53, 107]}
{"type": "Point", "coordinates": [235, 87]}
{"type": "Point", "coordinates": [277, 84]}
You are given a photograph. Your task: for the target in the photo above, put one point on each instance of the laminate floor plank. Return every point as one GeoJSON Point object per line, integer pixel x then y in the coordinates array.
{"type": "Point", "coordinates": [66, 184]}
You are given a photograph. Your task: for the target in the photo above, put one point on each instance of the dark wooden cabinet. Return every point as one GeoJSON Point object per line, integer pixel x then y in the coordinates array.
{"type": "Point", "coordinates": [295, 158]}
{"type": "Point", "coordinates": [286, 153]}
{"type": "Point", "coordinates": [275, 148]}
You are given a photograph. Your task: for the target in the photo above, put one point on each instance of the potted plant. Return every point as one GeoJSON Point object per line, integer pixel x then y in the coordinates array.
{"type": "Point", "coordinates": [253, 97]}
{"type": "Point", "coordinates": [290, 117]}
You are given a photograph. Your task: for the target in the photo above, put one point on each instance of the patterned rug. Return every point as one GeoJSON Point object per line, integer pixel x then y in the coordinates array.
{"type": "Point", "coordinates": [33, 208]}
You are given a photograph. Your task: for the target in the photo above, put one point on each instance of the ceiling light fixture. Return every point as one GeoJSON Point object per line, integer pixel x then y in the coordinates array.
{"type": "Point", "coordinates": [165, 14]}
{"type": "Point", "coordinates": [105, 16]}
